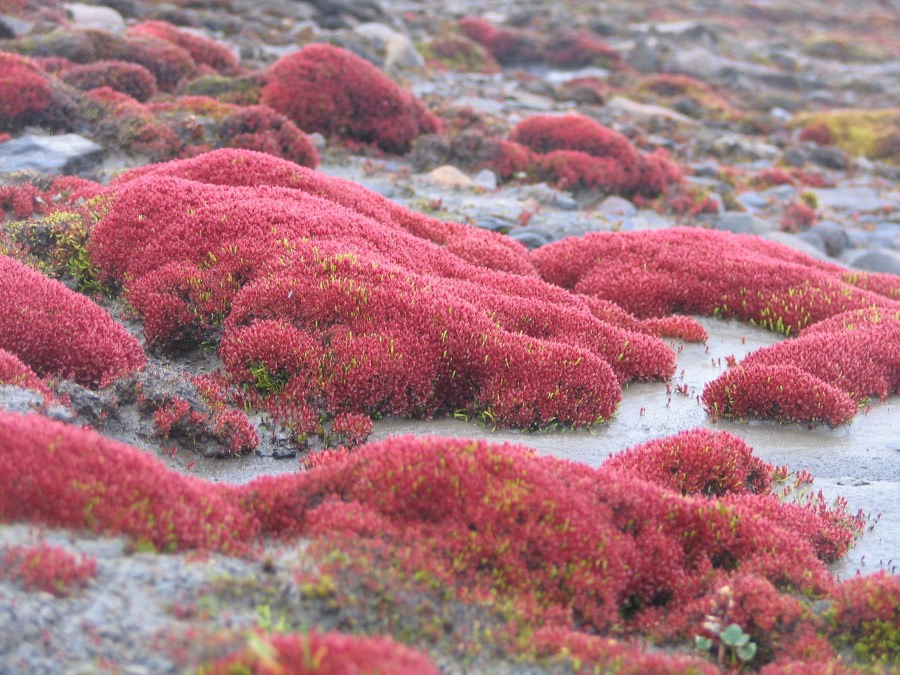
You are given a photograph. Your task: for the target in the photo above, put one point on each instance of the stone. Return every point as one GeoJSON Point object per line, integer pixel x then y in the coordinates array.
{"type": "Point", "coordinates": [96, 17]}
{"type": "Point", "coordinates": [752, 200]}
{"type": "Point", "coordinates": [64, 154]}
{"type": "Point", "coordinates": [740, 222]}
{"type": "Point", "coordinates": [448, 176]}
{"type": "Point", "coordinates": [531, 238]}
{"type": "Point", "coordinates": [643, 56]}
{"type": "Point", "coordinates": [828, 156]}
{"type": "Point", "coordinates": [878, 260]}
{"type": "Point", "coordinates": [798, 244]}
{"type": "Point", "coordinates": [833, 235]}
{"type": "Point", "coordinates": [486, 180]}
{"type": "Point", "coordinates": [629, 107]}
{"type": "Point", "coordinates": [814, 239]}
{"type": "Point", "coordinates": [617, 206]}
{"type": "Point", "coordinates": [13, 27]}
{"type": "Point", "coordinates": [851, 199]}
{"type": "Point", "coordinates": [401, 54]}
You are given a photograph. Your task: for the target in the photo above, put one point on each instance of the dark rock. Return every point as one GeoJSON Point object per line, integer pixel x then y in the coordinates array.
{"type": "Point", "coordinates": [814, 239]}
{"type": "Point", "coordinates": [829, 157]}
{"type": "Point", "coordinates": [643, 57]}
{"type": "Point", "coordinates": [531, 237]}
{"type": "Point", "coordinates": [494, 223]}
{"type": "Point", "coordinates": [92, 407]}
{"type": "Point", "coordinates": [348, 13]}
{"type": "Point", "coordinates": [64, 154]}
{"type": "Point", "coordinates": [741, 223]}
{"type": "Point", "coordinates": [794, 156]}
{"type": "Point", "coordinates": [833, 235]}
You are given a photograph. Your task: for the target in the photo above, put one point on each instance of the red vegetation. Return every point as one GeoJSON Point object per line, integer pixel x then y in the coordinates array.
{"type": "Point", "coordinates": [341, 301]}
{"type": "Point", "coordinates": [780, 392]}
{"type": "Point", "coordinates": [260, 128]}
{"type": "Point", "coordinates": [177, 419]}
{"type": "Point", "coordinates": [577, 49]}
{"type": "Point", "coordinates": [59, 332]}
{"type": "Point", "coordinates": [14, 372]}
{"type": "Point", "coordinates": [576, 151]}
{"type": "Point", "coordinates": [328, 89]}
{"type": "Point", "coordinates": [50, 569]}
{"type": "Point", "coordinates": [506, 45]}
{"type": "Point", "coordinates": [202, 50]}
{"type": "Point", "coordinates": [325, 654]}
{"type": "Point", "coordinates": [798, 217]}
{"type": "Point", "coordinates": [125, 123]}
{"type": "Point", "coordinates": [26, 95]}
{"type": "Point", "coordinates": [818, 377]}
{"type": "Point", "coordinates": [818, 133]}
{"type": "Point", "coordinates": [864, 615]}
{"type": "Point", "coordinates": [131, 79]}
{"type": "Point", "coordinates": [699, 462]}
{"type": "Point", "coordinates": [569, 547]}
{"type": "Point", "coordinates": [63, 476]}
{"type": "Point", "coordinates": [587, 654]}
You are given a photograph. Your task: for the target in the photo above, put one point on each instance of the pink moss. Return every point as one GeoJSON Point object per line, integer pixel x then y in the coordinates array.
{"type": "Point", "coordinates": [585, 653]}
{"type": "Point", "coordinates": [698, 462]}
{"type": "Point", "coordinates": [327, 89]}
{"type": "Point", "coordinates": [59, 332]}
{"type": "Point", "coordinates": [202, 50]}
{"type": "Point", "coordinates": [577, 49]}
{"type": "Point", "coordinates": [781, 392]}
{"type": "Point", "coordinates": [573, 550]}
{"type": "Point", "coordinates": [863, 615]}
{"type": "Point", "coordinates": [326, 654]}
{"type": "Point", "coordinates": [818, 133]}
{"type": "Point", "coordinates": [331, 261]}
{"type": "Point", "coordinates": [46, 568]}
{"type": "Point", "coordinates": [578, 152]}
{"type": "Point", "coordinates": [260, 128]}
{"type": "Point", "coordinates": [64, 476]}
{"type": "Point", "coordinates": [26, 95]}
{"type": "Point", "coordinates": [14, 372]}
{"type": "Point", "coordinates": [129, 78]}
{"type": "Point", "coordinates": [797, 217]}
{"type": "Point", "coordinates": [506, 45]}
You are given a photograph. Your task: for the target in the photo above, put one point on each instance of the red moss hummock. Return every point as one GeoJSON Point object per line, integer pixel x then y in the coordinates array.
{"type": "Point", "coordinates": [58, 332]}
{"type": "Point", "coordinates": [328, 89]}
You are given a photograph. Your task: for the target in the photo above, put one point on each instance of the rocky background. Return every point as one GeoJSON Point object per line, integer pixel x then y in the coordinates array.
{"type": "Point", "coordinates": [781, 119]}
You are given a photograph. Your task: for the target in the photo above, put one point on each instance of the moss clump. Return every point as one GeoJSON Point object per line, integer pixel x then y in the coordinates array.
{"type": "Point", "coordinates": [872, 133]}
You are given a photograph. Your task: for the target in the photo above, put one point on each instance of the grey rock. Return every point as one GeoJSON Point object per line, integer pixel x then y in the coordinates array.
{"type": "Point", "coordinates": [798, 244]}
{"type": "Point", "coordinates": [879, 260]}
{"type": "Point", "coordinates": [617, 206]}
{"type": "Point", "coordinates": [94, 16]}
{"type": "Point", "coordinates": [851, 199]}
{"type": "Point", "coordinates": [531, 238]}
{"type": "Point", "coordinates": [21, 400]}
{"type": "Point", "coordinates": [401, 54]}
{"type": "Point", "coordinates": [742, 223]}
{"type": "Point", "coordinates": [485, 179]}
{"type": "Point", "coordinates": [752, 200]}
{"type": "Point", "coordinates": [13, 27]}
{"type": "Point", "coordinates": [828, 156]}
{"type": "Point", "coordinates": [781, 193]}
{"type": "Point", "coordinates": [833, 235]}
{"type": "Point", "coordinates": [795, 156]}
{"type": "Point", "coordinates": [813, 239]}
{"type": "Point", "coordinates": [64, 154]}
{"type": "Point", "coordinates": [851, 481]}
{"type": "Point", "coordinates": [643, 57]}
{"type": "Point", "coordinates": [494, 223]}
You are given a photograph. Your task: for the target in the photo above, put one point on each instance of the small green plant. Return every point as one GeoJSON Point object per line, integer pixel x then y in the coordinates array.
{"type": "Point", "coordinates": [735, 646]}
{"type": "Point", "coordinates": [265, 380]}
